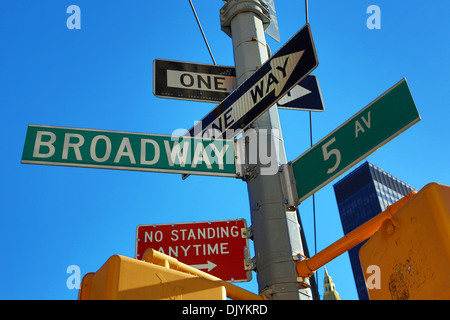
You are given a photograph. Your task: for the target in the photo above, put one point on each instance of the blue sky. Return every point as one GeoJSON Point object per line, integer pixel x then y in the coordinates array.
{"type": "Point", "coordinates": [101, 77]}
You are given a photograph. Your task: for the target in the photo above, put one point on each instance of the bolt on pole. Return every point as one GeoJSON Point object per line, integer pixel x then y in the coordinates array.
{"type": "Point", "coordinates": [276, 230]}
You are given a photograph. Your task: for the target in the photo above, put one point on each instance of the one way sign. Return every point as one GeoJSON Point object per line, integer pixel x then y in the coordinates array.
{"type": "Point", "coordinates": [277, 76]}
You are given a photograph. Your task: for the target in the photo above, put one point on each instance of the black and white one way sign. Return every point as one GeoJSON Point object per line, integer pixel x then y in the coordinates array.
{"type": "Point", "coordinates": [277, 76]}
{"type": "Point", "coordinates": [192, 81]}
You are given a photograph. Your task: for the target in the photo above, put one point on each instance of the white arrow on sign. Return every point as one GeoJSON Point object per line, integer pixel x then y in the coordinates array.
{"type": "Point", "coordinates": [294, 94]}
{"type": "Point", "coordinates": [208, 265]}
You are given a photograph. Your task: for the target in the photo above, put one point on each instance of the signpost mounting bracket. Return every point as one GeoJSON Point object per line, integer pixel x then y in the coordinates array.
{"type": "Point", "coordinates": [289, 186]}
{"type": "Point", "coordinates": [239, 159]}
{"type": "Point", "coordinates": [247, 233]}
{"type": "Point", "coordinates": [250, 264]}
{"type": "Point", "coordinates": [244, 169]}
{"type": "Point", "coordinates": [251, 172]}
{"type": "Point", "coordinates": [232, 8]}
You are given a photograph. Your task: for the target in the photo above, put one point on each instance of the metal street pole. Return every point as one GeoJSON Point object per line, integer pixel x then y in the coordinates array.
{"type": "Point", "coordinates": [275, 229]}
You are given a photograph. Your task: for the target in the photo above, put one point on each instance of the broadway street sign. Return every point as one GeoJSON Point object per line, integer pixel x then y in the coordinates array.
{"type": "Point", "coordinates": [192, 81]}
{"type": "Point", "coordinates": [276, 77]}
{"type": "Point", "coordinates": [128, 151]}
{"type": "Point", "coordinates": [217, 247]}
{"type": "Point", "coordinates": [375, 125]}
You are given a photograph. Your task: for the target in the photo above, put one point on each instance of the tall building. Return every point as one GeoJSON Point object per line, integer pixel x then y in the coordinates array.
{"type": "Point", "coordinates": [360, 196]}
{"type": "Point", "coordinates": [330, 292]}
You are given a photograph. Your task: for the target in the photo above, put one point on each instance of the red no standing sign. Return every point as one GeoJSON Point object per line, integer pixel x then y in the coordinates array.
{"type": "Point", "coordinates": [217, 247]}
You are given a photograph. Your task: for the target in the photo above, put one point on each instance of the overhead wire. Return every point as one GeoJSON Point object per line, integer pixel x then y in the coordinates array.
{"type": "Point", "coordinates": [311, 142]}
{"type": "Point", "coordinates": [201, 30]}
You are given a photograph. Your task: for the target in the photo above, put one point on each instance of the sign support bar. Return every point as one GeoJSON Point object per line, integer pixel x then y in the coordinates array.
{"type": "Point", "coordinates": [276, 232]}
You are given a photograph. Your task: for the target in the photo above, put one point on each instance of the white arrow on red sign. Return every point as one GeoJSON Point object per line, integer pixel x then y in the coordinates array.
{"type": "Point", "coordinates": [208, 265]}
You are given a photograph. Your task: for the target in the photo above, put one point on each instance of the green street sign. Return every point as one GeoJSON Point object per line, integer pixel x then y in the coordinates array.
{"type": "Point", "coordinates": [87, 148]}
{"type": "Point", "coordinates": [378, 123]}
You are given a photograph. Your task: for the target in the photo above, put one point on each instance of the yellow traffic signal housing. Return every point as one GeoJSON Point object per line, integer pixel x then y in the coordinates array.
{"type": "Point", "coordinates": [123, 278]}
{"type": "Point", "coordinates": [409, 257]}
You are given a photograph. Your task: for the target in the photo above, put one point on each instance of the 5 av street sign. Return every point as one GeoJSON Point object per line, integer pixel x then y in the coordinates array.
{"type": "Point", "coordinates": [217, 247]}
{"type": "Point", "coordinates": [128, 151]}
{"type": "Point", "coordinates": [277, 76]}
{"type": "Point", "coordinates": [382, 120]}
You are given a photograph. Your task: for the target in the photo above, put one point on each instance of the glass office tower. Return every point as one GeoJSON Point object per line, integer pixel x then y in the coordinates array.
{"type": "Point", "coordinates": [360, 196]}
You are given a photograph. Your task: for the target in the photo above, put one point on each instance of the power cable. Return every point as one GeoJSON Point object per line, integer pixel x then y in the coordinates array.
{"type": "Point", "coordinates": [311, 141]}
{"type": "Point", "coordinates": [201, 29]}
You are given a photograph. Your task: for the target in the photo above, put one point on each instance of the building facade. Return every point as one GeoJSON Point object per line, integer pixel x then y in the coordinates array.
{"type": "Point", "coordinates": [361, 195]}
